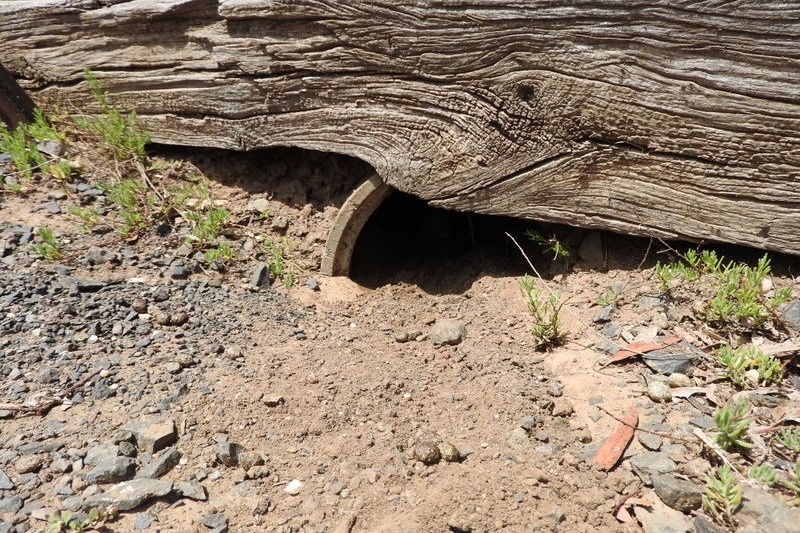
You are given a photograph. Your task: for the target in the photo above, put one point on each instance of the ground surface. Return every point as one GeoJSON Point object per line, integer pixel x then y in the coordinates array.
{"type": "Point", "coordinates": [336, 384]}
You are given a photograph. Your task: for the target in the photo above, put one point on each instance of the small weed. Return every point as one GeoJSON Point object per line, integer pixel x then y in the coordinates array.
{"type": "Point", "coordinates": [767, 474]}
{"type": "Point", "coordinates": [789, 439]}
{"type": "Point", "coordinates": [89, 216]}
{"type": "Point", "coordinates": [544, 308]}
{"type": "Point", "coordinates": [118, 132]}
{"type": "Point", "coordinates": [66, 522]}
{"type": "Point", "coordinates": [609, 297]}
{"type": "Point", "coordinates": [723, 496]}
{"type": "Point", "coordinates": [20, 144]}
{"type": "Point", "coordinates": [748, 367]}
{"type": "Point", "coordinates": [280, 266]}
{"type": "Point", "coordinates": [732, 422]}
{"type": "Point", "coordinates": [208, 225]}
{"type": "Point", "coordinates": [50, 247]}
{"type": "Point", "coordinates": [223, 252]}
{"type": "Point", "coordinates": [127, 196]}
{"type": "Point", "coordinates": [551, 245]}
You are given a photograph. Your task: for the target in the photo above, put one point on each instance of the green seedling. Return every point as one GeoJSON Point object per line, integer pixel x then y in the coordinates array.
{"type": "Point", "coordinates": [66, 522]}
{"type": "Point", "coordinates": [551, 245]}
{"type": "Point", "coordinates": [223, 252]}
{"type": "Point", "coordinates": [732, 423]}
{"type": "Point", "coordinates": [89, 216]}
{"type": "Point", "coordinates": [767, 474]}
{"type": "Point", "coordinates": [748, 367]}
{"type": "Point", "coordinates": [609, 297]}
{"type": "Point", "coordinates": [279, 263]}
{"type": "Point", "coordinates": [789, 438]}
{"type": "Point", "coordinates": [208, 225]}
{"type": "Point", "coordinates": [127, 195]}
{"type": "Point", "coordinates": [723, 496]}
{"type": "Point", "coordinates": [544, 308]}
{"type": "Point", "coordinates": [50, 247]}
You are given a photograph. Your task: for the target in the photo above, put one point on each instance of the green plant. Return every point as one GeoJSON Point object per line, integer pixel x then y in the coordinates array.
{"type": "Point", "coordinates": [608, 297]}
{"type": "Point", "coordinates": [223, 252]}
{"type": "Point", "coordinates": [65, 521]}
{"type": "Point", "coordinates": [723, 496]}
{"type": "Point", "coordinates": [88, 215]}
{"type": "Point", "coordinates": [789, 439]}
{"type": "Point", "coordinates": [128, 197]}
{"type": "Point", "coordinates": [544, 309]}
{"type": "Point", "coordinates": [208, 225]}
{"type": "Point", "coordinates": [50, 247]}
{"type": "Point", "coordinates": [280, 266]}
{"type": "Point", "coordinates": [551, 245]}
{"type": "Point", "coordinates": [20, 144]}
{"type": "Point", "coordinates": [119, 132]}
{"type": "Point", "coordinates": [732, 423]}
{"type": "Point", "coordinates": [767, 474]}
{"type": "Point", "coordinates": [749, 367]}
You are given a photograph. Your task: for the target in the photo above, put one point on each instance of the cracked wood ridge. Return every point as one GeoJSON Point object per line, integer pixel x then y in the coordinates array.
{"type": "Point", "coordinates": [663, 118]}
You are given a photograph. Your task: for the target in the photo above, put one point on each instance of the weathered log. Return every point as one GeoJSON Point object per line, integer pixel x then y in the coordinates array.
{"type": "Point", "coordinates": [664, 118]}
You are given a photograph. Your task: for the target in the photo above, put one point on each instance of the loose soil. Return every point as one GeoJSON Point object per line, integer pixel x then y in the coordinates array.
{"type": "Point", "coordinates": [335, 382]}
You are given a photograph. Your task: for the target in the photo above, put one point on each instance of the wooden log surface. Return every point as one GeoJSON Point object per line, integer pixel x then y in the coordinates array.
{"type": "Point", "coordinates": [663, 118]}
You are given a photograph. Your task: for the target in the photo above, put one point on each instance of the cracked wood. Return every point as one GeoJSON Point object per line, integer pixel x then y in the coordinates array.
{"type": "Point", "coordinates": [661, 118]}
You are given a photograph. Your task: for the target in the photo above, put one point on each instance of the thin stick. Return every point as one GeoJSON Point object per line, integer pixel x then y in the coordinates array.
{"type": "Point", "coordinates": [714, 447]}
{"type": "Point", "coordinates": [51, 402]}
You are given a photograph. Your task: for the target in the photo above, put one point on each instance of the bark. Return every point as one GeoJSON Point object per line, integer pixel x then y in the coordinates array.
{"type": "Point", "coordinates": [663, 118]}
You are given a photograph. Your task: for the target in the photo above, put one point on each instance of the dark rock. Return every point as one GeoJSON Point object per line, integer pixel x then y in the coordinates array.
{"type": "Point", "coordinates": [605, 314]}
{"type": "Point", "coordinates": [678, 358]}
{"type": "Point", "coordinates": [447, 331]}
{"type": "Point", "coordinates": [260, 276]}
{"type": "Point", "coordinates": [5, 481]}
{"type": "Point", "coordinates": [192, 490]}
{"type": "Point", "coordinates": [179, 272]}
{"type": "Point", "coordinates": [166, 461]}
{"type": "Point", "coordinates": [153, 434]}
{"type": "Point", "coordinates": [111, 470]}
{"type": "Point", "coordinates": [649, 441]}
{"type": "Point", "coordinates": [101, 452]}
{"type": "Point", "coordinates": [10, 504]}
{"type": "Point", "coordinates": [760, 512]}
{"type": "Point", "coordinates": [216, 522]}
{"type": "Point", "coordinates": [591, 250]}
{"type": "Point", "coordinates": [228, 453]}
{"type": "Point", "coordinates": [681, 495]}
{"type": "Point", "coordinates": [528, 422]}
{"type": "Point", "coordinates": [129, 494]}
{"type": "Point", "coordinates": [52, 148]}
{"type": "Point", "coordinates": [52, 207]}
{"type": "Point", "coordinates": [142, 521]}
{"type": "Point", "coordinates": [701, 525]}
{"type": "Point", "coordinates": [791, 315]}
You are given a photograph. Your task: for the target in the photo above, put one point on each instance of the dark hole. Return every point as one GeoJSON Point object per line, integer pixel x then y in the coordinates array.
{"type": "Point", "coordinates": [441, 251]}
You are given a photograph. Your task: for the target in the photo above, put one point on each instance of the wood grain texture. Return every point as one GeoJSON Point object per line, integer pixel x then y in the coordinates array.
{"type": "Point", "coordinates": [663, 118]}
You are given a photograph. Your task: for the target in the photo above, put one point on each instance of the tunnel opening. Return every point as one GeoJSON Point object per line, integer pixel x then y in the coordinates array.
{"type": "Point", "coordinates": [407, 240]}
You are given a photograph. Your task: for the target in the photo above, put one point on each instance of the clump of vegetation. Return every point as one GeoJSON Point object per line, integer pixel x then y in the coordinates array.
{"type": "Point", "coordinates": [748, 367]}
{"type": "Point", "coordinates": [21, 145]}
{"type": "Point", "coordinates": [67, 522]}
{"type": "Point", "coordinates": [732, 423]}
{"type": "Point", "coordinates": [789, 439]}
{"type": "Point", "coordinates": [551, 245]}
{"type": "Point", "coordinates": [723, 496]}
{"type": "Point", "coordinates": [280, 266]}
{"type": "Point", "coordinates": [49, 248]}
{"type": "Point", "coordinates": [767, 474]}
{"type": "Point", "coordinates": [737, 293]}
{"type": "Point", "coordinates": [118, 132]}
{"type": "Point", "coordinates": [544, 309]}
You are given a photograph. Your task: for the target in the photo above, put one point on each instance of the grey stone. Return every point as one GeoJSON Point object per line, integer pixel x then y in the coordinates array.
{"type": "Point", "coordinates": [191, 489]}
{"type": "Point", "coordinates": [258, 205]}
{"type": "Point", "coordinates": [528, 422]}
{"type": "Point", "coordinates": [649, 441]}
{"type": "Point", "coordinates": [658, 391]}
{"type": "Point", "coordinates": [260, 276]}
{"type": "Point", "coordinates": [661, 519]}
{"type": "Point", "coordinates": [518, 439]}
{"type": "Point", "coordinates": [52, 207]}
{"type": "Point", "coordinates": [228, 453]}
{"type": "Point", "coordinates": [129, 494]}
{"type": "Point", "coordinates": [6, 527]}
{"type": "Point", "coordinates": [791, 314]}
{"type": "Point", "coordinates": [681, 495]}
{"type": "Point", "coordinates": [562, 407]}
{"type": "Point", "coordinates": [142, 521]}
{"type": "Point", "coordinates": [702, 421]}
{"type": "Point", "coordinates": [701, 525]}
{"type": "Point", "coordinates": [216, 522]}
{"type": "Point", "coordinates": [448, 331]}
{"type": "Point", "coordinates": [677, 358]}
{"type": "Point", "coordinates": [51, 148]}
{"type": "Point", "coordinates": [99, 256]}
{"type": "Point", "coordinates": [111, 470]}
{"type": "Point", "coordinates": [153, 434]}
{"type": "Point", "coordinates": [312, 284]}
{"type": "Point", "coordinates": [5, 481]}
{"type": "Point", "coordinates": [166, 461]}
{"type": "Point", "coordinates": [650, 302]}
{"type": "Point", "coordinates": [591, 250]}
{"type": "Point", "coordinates": [179, 272]}
{"type": "Point", "coordinates": [650, 464]}
{"type": "Point", "coordinates": [280, 224]}
{"type": "Point", "coordinates": [760, 512]}
{"type": "Point", "coordinates": [10, 504]}
{"type": "Point", "coordinates": [605, 314]}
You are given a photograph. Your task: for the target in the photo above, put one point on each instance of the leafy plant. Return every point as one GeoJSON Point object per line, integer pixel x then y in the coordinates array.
{"type": "Point", "coordinates": [89, 216]}
{"type": "Point", "coordinates": [608, 297]}
{"type": "Point", "coordinates": [789, 439]}
{"type": "Point", "coordinates": [223, 252]}
{"type": "Point", "coordinates": [732, 422]}
{"type": "Point", "coordinates": [50, 247]}
{"type": "Point", "coordinates": [723, 496]}
{"type": "Point", "coordinates": [119, 132]}
{"type": "Point", "coordinates": [280, 266]}
{"type": "Point", "coordinates": [127, 196]}
{"type": "Point", "coordinates": [551, 245]}
{"type": "Point", "coordinates": [749, 367]}
{"type": "Point", "coordinates": [21, 145]}
{"type": "Point", "coordinates": [65, 521]}
{"type": "Point", "coordinates": [767, 474]}
{"type": "Point", "coordinates": [544, 309]}
{"type": "Point", "coordinates": [208, 225]}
